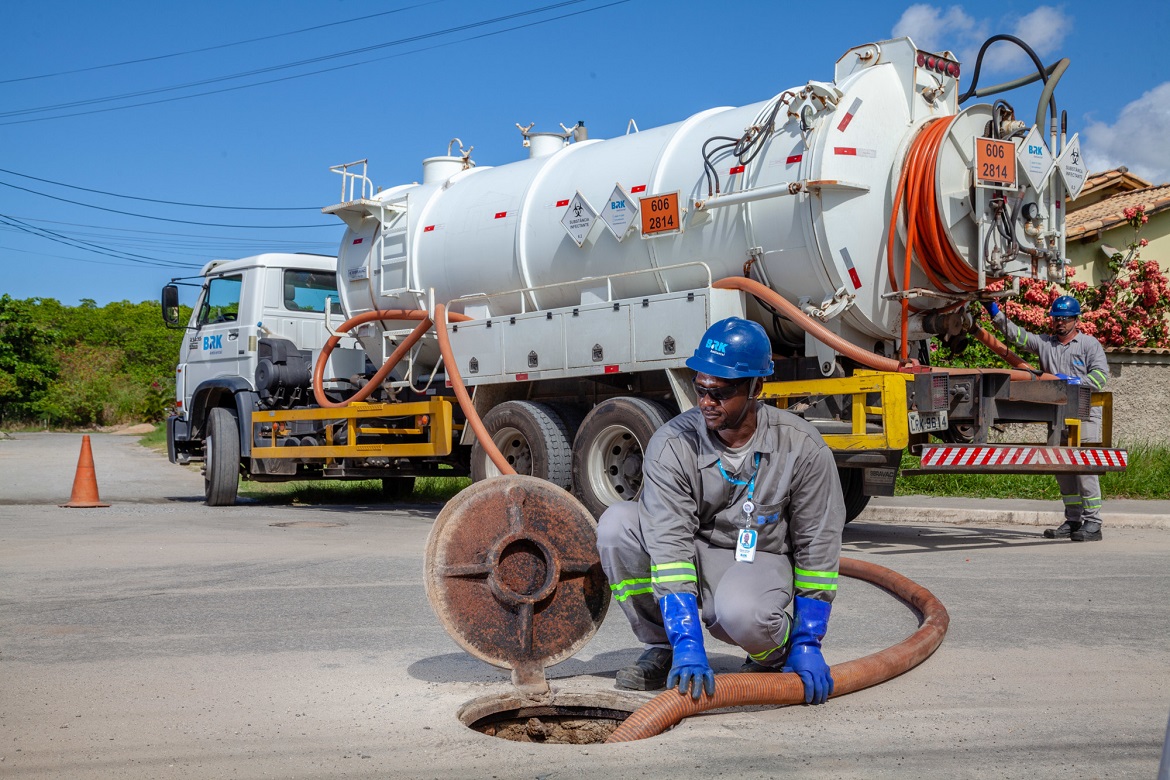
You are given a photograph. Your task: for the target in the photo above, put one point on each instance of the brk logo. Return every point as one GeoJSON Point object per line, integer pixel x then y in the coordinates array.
{"type": "Point", "coordinates": [718, 347]}
{"type": "Point", "coordinates": [213, 342]}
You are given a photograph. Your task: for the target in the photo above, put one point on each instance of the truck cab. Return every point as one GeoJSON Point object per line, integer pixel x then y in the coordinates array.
{"type": "Point", "coordinates": [265, 312]}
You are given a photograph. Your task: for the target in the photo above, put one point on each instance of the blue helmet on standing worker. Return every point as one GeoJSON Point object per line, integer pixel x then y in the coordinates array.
{"type": "Point", "coordinates": [1065, 306]}
{"type": "Point", "coordinates": [733, 349]}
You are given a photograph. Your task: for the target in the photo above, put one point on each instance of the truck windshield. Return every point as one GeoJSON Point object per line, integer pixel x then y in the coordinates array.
{"type": "Point", "coordinates": [307, 290]}
{"type": "Point", "coordinates": [222, 301]}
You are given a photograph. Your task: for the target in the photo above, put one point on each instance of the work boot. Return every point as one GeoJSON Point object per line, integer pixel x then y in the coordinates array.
{"type": "Point", "coordinates": [649, 672]}
{"type": "Point", "coordinates": [751, 667]}
{"type": "Point", "coordinates": [1088, 532]}
{"type": "Point", "coordinates": [1062, 531]}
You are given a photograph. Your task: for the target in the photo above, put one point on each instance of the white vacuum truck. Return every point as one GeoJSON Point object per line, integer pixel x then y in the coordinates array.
{"type": "Point", "coordinates": [853, 219]}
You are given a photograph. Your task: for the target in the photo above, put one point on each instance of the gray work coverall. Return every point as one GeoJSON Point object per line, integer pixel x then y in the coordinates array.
{"type": "Point", "coordinates": [1083, 357]}
{"type": "Point", "coordinates": [680, 536]}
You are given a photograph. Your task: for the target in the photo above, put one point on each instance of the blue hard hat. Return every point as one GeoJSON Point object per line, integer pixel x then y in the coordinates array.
{"type": "Point", "coordinates": [733, 349]}
{"type": "Point", "coordinates": [1065, 306]}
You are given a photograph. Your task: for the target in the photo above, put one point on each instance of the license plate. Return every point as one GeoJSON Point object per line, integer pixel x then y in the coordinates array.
{"type": "Point", "coordinates": [927, 422]}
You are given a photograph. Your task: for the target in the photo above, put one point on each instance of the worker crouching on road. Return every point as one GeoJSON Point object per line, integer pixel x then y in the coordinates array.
{"type": "Point", "coordinates": [741, 508]}
{"type": "Point", "coordinates": [1077, 359]}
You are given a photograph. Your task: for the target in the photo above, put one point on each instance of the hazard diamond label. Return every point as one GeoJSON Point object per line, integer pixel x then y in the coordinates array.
{"type": "Point", "coordinates": [579, 218]}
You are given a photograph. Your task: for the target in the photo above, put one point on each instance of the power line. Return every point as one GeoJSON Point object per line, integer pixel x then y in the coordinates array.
{"type": "Point", "coordinates": [88, 246]}
{"type": "Point", "coordinates": [169, 241]}
{"type": "Point", "coordinates": [285, 66]}
{"type": "Point", "coordinates": [216, 47]}
{"type": "Point", "coordinates": [269, 69]}
{"type": "Point", "coordinates": [156, 200]}
{"type": "Point", "coordinates": [164, 219]}
{"type": "Point", "coordinates": [93, 260]}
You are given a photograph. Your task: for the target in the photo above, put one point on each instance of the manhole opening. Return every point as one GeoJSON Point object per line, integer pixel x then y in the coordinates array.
{"type": "Point", "coordinates": [562, 719]}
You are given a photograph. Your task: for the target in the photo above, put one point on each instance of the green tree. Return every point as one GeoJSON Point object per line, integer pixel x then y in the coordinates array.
{"type": "Point", "coordinates": [85, 364]}
{"type": "Point", "coordinates": [27, 363]}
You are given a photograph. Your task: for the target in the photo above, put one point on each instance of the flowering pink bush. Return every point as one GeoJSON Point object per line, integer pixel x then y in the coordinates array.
{"type": "Point", "coordinates": [1129, 309]}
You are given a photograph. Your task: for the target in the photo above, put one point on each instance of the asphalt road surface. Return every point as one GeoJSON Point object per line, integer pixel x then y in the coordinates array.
{"type": "Point", "coordinates": [160, 638]}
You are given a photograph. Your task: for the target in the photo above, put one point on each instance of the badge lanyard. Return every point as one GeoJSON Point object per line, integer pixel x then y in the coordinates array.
{"type": "Point", "coordinates": [749, 506]}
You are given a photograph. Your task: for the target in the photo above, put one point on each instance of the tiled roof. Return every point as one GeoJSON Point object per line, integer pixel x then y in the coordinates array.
{"type": "Point", "coordinates": [1120, 177]}
{"type": "Point", "coordinates": [1110, 212]}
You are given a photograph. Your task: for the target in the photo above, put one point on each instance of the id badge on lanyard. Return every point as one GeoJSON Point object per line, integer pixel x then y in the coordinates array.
{"type": "Point", "coordinates": [745, 540]}
{"type": "Point", "coordinates": [745, 545]}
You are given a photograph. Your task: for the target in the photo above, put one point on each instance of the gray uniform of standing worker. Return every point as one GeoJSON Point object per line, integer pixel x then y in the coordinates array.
{"type": "Point", "coordinates": [682, 538]}
{"type": "Point", "coordinates": [1077, 359]}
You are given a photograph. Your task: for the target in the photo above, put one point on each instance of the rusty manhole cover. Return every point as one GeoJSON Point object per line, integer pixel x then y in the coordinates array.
{"type": "Point", "coordinates": [306, 524]}
{"type": "Point", "coordinates": [513, 574]}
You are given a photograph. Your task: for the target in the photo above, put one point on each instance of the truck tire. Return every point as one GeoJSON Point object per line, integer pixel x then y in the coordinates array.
{"type": "Point", "coordinates": [533, 439]}
{"type": "Point", "coordinates": [221, 458]}
{"type": "Point", "coordinates": [852, 485]}
{"type": "Point", "coordinates": [608, 451]}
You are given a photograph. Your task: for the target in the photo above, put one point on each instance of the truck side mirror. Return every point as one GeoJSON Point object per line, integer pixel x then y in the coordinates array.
{"type": "Point", "coordinates": [170, 305]}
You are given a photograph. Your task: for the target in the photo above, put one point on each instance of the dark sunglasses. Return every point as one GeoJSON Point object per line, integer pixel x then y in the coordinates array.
{"type": "Point", "coordinates": [1063, 319]}
{"type": "Point", "coordinates": [719, 394]}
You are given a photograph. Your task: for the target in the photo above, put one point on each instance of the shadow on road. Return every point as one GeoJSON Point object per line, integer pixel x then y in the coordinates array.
{"type": "Point", "coordinates": [881, 539]}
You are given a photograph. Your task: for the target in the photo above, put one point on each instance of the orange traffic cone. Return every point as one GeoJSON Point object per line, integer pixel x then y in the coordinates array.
{"type": "Point", "coordinates": [85, 489]}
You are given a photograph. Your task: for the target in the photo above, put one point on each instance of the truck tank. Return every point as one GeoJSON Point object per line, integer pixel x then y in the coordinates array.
{"type": "Point", "coordinates": [802, 204]}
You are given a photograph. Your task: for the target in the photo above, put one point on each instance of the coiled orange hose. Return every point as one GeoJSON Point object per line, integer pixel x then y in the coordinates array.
{"type": "Point", "coordinates": [743, 690]}
{"type": "Point", "coordinates": [926, 236]}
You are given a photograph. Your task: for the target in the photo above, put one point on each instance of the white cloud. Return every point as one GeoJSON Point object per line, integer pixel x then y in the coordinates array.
{"type": "Point", "coordinates": [1139, 139]}
{"type": "Point", "coordinates": [934, 28]}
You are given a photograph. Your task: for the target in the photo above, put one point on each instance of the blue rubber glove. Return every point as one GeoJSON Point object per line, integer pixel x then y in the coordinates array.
{"type": "Point", "coordinates": [992, 308]}
{"type": "Point", "coordinates": [690, 670]}
{"type": "Point", "coordinates": [809, 623]}
{"type": "Point", "coordinates": [1072, 380]}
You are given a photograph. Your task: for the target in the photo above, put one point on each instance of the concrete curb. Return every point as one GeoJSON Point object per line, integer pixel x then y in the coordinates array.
{"type": "Point", "coordinates": [904, 515]}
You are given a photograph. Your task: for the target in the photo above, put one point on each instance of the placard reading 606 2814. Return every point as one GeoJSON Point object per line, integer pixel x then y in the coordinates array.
{"type": "Point", "coordinates": [660, 214]}
{"type": "Point", "coordinates": [995, 163]}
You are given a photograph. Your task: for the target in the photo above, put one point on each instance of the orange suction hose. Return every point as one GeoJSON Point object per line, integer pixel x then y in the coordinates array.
{"type": "Point", "coordinates": [425, 324]}
{"type": "Point", "coordinates": [826, 336]}
{"type": "Point", "coordinates": [743, 690]}
{"type": "Point", "coordinates": [461, 394]}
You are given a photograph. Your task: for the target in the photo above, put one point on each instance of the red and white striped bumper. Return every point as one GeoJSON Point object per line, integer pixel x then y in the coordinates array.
{"type": "Point", "coordinates": [1005, 458]}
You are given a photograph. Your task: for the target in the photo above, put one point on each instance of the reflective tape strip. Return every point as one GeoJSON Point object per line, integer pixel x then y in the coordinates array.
{"type": "Point", "coordinates": [815, 580]}
{"type": "Point", "coordinates": [628, 593]}
{"type": "Point", "coordinates": [766, 653]}
{"type": "Point", "coordinates": [1072, 500]}
{"type": "Point", "coordinates": [676, 578]}
{"type": "Point", "coordinates": [628, 583]}
{"type": "Point", "coordinates": [664, 567]}
{"type": "Point", "coordinates": [980, 455]}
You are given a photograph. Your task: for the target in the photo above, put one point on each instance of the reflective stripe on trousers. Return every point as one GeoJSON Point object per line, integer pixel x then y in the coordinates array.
{"type": "Point", "coordinates": [742, 603]}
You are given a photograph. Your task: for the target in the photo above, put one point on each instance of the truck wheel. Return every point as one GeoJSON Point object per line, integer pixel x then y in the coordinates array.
{"type": "Point", "coordinates": [395, 489]}
{"type": "Point", "coordinates": [852, 485]}
{"type": "Point", "coordinates": [608, 451]}
{"type": "Point", "coordinates": [221, 458]}
{"type": "Point", "coordinates": [533, 439]}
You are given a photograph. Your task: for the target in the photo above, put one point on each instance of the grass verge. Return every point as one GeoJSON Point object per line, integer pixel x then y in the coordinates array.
{"type": "Point", "coordinates": [367, 491]}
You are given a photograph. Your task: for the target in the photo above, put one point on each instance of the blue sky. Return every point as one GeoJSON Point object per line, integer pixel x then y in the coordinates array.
{"type": "Point", "coordinates": [397, 85]}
